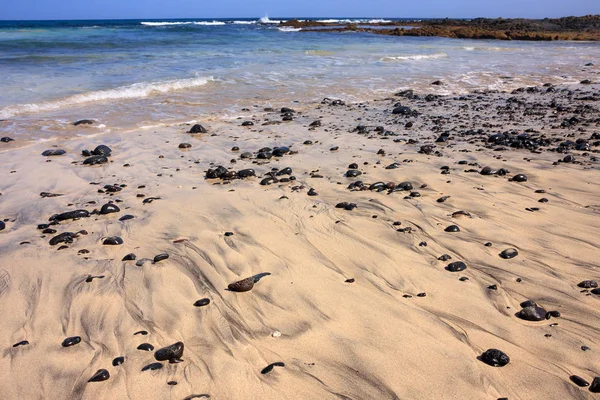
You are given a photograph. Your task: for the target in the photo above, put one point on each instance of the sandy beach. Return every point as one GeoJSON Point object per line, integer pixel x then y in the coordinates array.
{"type": "Point", "coordinates": [360, 302]}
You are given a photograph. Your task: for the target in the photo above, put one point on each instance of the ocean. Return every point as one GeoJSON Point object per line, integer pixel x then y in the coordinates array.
{"type": "Point", "coordinates": [131, 73]}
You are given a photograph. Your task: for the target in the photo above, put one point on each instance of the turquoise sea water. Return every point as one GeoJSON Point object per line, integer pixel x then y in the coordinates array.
{"type": "Point", "coordinates": [132, 72]}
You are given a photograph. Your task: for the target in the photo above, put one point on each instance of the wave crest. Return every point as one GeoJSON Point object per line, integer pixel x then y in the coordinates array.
{"type": "Point", "coordinates": [135, 91]}
{"type": "Point", "coordinates": [415, 57]}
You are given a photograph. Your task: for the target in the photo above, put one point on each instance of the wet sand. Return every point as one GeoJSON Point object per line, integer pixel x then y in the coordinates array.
{"type": "Point", "coordinates": [356, 306]}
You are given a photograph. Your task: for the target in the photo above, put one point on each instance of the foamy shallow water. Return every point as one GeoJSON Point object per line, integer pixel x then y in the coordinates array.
{"type": "Point", "coordinates": [134, 73]}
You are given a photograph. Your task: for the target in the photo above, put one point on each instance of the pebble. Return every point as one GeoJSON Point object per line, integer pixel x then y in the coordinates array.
{"type": "Point", "coordinates": [109, 208]}
{"type": "Point", "coordinates": [202, 302]}
{"type": "Point", "coordinates": [95, 160]}
{"type": "Point", "coordinates": [495, 358]}
{"type": "Point", "coordinates": [170, 353]}
{"type": "Point", "coordinates": [2, 225]}
{"type": "Point", "coordinates": [452, 228]}
{"type": "Point", "coordinates": [198, 129]}
{"type": "Point", "coordinates": [21, 343]}
{"type": "Point", "coordinates": [346, 206]}
{"type": "Point", "coordinates": [518, 178]}
{"type": "Point", "coordinates": [579, 381]}
{"type": "Point", "coordinates": [129, 257]}
{"type": "Point", "coordinates": [444, 257]}
{"type": "Point", "coordinates": [160, 257]}
{"type": "Point", "coordinates": [83, 122]}
{"type": "Point", "coordinates": [442, 199]}
{"type": "Point", "coordinates": [595, 386]}
{"type": "Point", "coordinates": [532, 313]}
{"type": "Point", "coordinates": [126, 217]}
{"type": "Point", "coordinates": [456, 266]}
{"type": "Point", "coordinates": [145, 347]}
{"type": "Point", "coordinates": [100, 376]}
{"type": "Point", "coordinates": [589, 284]}
{"type": "Point", "coordinates": [71, 341]}
{"type": "Point", "coordinates": [184, 145]}
{"type": "Point", "coordinates": [70, 215]}
{"type": "Point", "coordinates": [509, 253]}
{"type": "Point", "coordinates": [53, 152]}
{"type": "Point", "coordinates": [152, 367]}
{"type": "Point", "coordinates": [113, 241]}
{"type": "Point", "coordinates": [269, 367]}
{"type": "Point", "coordinates": [312, 192]}
{"type": "Point", "coordinates": [118, 361]}
{"type": "Point", "coordinates": [6, 139]}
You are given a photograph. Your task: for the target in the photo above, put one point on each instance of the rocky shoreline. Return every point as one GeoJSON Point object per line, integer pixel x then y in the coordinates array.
{"type": "Point", "coordinates": [585, 28]}
{"type": "Point", "coordinates": [338, 250]}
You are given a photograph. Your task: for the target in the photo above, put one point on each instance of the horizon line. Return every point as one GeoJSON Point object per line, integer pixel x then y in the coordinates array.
{"type": "Point", "coordinates": [286, 18]}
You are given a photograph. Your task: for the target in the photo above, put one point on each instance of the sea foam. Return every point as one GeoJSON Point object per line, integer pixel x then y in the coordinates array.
{"type": "Point", "coordinates": [415, 57]}
{"type": "Point", "coordinates": [135, 91]}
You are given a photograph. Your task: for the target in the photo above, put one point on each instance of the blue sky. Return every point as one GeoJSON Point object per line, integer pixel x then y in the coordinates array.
{"type": "Point", "coordinates": [104, 9]}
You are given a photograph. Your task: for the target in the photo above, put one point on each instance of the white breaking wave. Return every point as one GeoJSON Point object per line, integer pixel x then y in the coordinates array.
{"type": "Point", "coordinates": [289, 29]}
{"type": "Point", "coordinates": [135, 91]}
{"type": "Point", "coordinates": [164, 23]}
{"type": "Point", "coordinates": [244, 22]}
{"type": "Point", "coordinates": [209, 23]}
{"type": "Point", "coordinates": [266, 20]}
{"type": "Point", "coordinates": [354, 21]}
{"type": "Point", "coordinates": [415, 57]}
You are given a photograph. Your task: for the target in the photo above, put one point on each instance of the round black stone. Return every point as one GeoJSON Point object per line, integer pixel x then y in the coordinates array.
{"type": "Point", "coordinates": [456, 266]}
{"type": "Point", "coordinates": [495, 358]}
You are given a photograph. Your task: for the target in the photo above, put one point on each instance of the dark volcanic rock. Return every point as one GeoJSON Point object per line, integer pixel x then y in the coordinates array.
{"type": "Point", "coordinates": [152, 367]}
{"type": "Point", "coordinates": [532, 313]}
{"type": "Point", "coordinates": [246, 173]}
{"type": "Point", "coordinates": [65, 237]}
{"type": "Point", "coordinates": [126, 217]}
{"type": "Point", "coordinates": [595, 386]}
{"type": "Point", "coordinates": [184, 145]}
{"type": "Point", "coordinates": [2, 225]}
{"type": "Point", "coordinates": [495, 358]}
{"type": "Point", "coordinates": [519, 178]}
{"type": "Point", "coordinates": [452, 228]}
{"type": "Point", "coordinates": [588, 284]}
{"type": "Point", "coordinates": [102, 150]}
{"type": "Point", "coordinates": [402, 110]}
{"type": "Point", "coordinates": [198, 129]}
{"type": "Point", "coordinates": [71, 341]}
{"type": "Point", "coordinates": [109, 208]}
{"type": "Point", "coordinates": [579, 381]}
{"type": "Point", "coordinates": [83, 122]}
{"type": "Point", "coordinates": [172, 352]}
{"type": "Point", "coordinates": [456, 266]}
{"type": "Point", "coordinates": [53, 152]}
{"type": "Point", "coordinates": [6, 139]}
{"type": "Point", "coordinates": [94, 160]}
{"type": "Point", "coordinates": [21, 343]}
{"type": "Point", "coordinates": [269, 367]}
{"type": "Point", "coordinates": [129, 257]}
{"type": "Point", "coordinates": [100, 376]}
{"type": "Point", "coordinates": [70, 215]}
{"type": "Point", "coordinates": [160, 257]}
{"type": "Point", "coordinates": [202, 302]}
{"type": "Point", "coordinates": [113, 241]}
{"type": "Point", "coordinates": [509, 253]}
{"type": "Point", "coordinates": [118, 361]}
{"type": "Point", "coordinates": [145, 347]}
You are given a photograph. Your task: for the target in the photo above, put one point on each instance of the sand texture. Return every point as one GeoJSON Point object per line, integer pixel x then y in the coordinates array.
{"type": "Point", "coordinates": [373, 338]}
